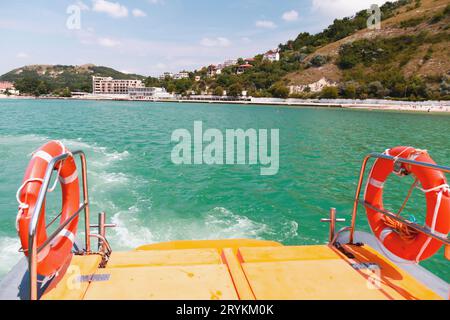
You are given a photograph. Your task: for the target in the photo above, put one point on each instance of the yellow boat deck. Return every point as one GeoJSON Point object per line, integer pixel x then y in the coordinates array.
{"type": "Point", "coordinates": [237, 269]}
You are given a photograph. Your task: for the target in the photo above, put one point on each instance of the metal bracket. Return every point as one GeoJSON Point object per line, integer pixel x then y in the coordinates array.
{"type": "Point", "coordinates": [102, 225]}
{"type": "Point", "coordinates": [332, 221]}
{"type": "Point", "coordinates": [103, 245]}
{"type": "Point", "coordinates": [399, 170]}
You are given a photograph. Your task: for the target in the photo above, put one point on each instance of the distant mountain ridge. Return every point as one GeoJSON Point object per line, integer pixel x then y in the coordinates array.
{"type": "Point", "coordinates": [58, 77]}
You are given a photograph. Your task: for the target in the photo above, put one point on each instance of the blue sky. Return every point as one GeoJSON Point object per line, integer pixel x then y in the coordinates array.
{"type": "Point", "coordinates": [152, 36]}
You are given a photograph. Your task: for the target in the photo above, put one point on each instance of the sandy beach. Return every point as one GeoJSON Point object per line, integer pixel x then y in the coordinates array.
{"type": "Point", "coordinates": [382, 105]}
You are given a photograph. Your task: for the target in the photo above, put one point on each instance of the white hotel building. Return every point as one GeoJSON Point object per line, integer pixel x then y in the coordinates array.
{"type": "Point", "coordinates": [108, 85]}
{"type": "Point", "coordinates": [150, 93]}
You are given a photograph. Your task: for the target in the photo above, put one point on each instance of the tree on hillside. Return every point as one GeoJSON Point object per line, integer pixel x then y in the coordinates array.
{"type": "Point", "coordinates": [42, 88]}
{"type": "Point", "coordinates": [377, 90]}
{"type": "Point", "coordinates": [65, 93]}
{"type": "Point", "coordinates": [329, 93]}
{"type": "Point", "coordinates": [152, 82]}
{"type": "Point", "coordinates": [348, 90]}
{"type": "Point", "coordinates": [235, 90]}
{"type": "Point", "coordinates": [218, 91]}
{"type": "Point", "coordinates": [319, 60]}
{"type": "Point", "coordinates": [279, 90]}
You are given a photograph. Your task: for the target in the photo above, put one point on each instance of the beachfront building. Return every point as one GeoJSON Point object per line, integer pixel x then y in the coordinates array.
{"type": "Point", "coordinates": [212, 71]}
{"type": "Point", "coordinates": [108, 85]}
{"type": "Point", "coordinates": [272, 55]}
{"type": "Point", "coordinates": [166, 75]}
{"type": "Point", "coordinates": [181, 75]}
{"type": "Point", "coordinates": [230, 63]}
{"type": "Point", "coordinates": [150, 93]}
{"type": "Point", "coordinates": [6, 86]}
{"type": "Point", "coordinates": [243, 67]}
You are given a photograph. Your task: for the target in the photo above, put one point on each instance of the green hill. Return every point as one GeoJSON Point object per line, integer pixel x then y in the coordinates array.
{"type": "Point", "coordinates": [44, 79]}
{"type": "Point", "coordinates": [408, 58]}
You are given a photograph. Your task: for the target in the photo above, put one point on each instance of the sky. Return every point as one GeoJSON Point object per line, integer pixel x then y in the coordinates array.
{"type": "Point", "coordinates": [150, 37]}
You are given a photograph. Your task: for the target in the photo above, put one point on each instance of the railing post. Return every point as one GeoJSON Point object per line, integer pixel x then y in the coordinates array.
{"type": "Point", "coordinates": [32, 263]}
{"type": "Point", "coordinates": [332, 220]}
{"type": "Point", "coordinates": [332, 223]}
{"type": "Point", "coordinates": [101, 228]}
{"type": "Point", "coordinates": [86, 200]}
{"type": "Point", "coordinates": [356, 202]}
{"type": "Point", "coordinates": [32, 233]}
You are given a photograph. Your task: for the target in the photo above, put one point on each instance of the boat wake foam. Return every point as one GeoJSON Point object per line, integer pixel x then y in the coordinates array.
{"type": "Point", "coordinates": [9, 254]}
{"type": "Point", "coordinates": [138, 223]}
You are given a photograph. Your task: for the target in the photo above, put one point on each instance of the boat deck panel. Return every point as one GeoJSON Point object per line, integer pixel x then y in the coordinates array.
{"type": "Point", "coordinates": [323, 272]}
{"type": "Point", "coordinates": [307, 280]}
{"type": "Point", "coordinates": [75, 282]}
{"type": "Point", "coordinates": [192, 271]}
{"type": "Point", "coordinates": [265, 254]}
{"type": "Point", "coordinates": [164, 258]}
{"type": "Point", "coordinates": [204, 282]}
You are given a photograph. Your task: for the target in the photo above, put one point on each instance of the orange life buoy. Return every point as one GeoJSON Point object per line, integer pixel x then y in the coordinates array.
{"type": "Point", "coordinates": [420, 246]}
{"type": "Point", "coordinates": [58, 252]}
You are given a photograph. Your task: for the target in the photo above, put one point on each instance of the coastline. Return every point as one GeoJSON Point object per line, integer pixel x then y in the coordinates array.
{"type": "Point", "coordinates": [368, 105]}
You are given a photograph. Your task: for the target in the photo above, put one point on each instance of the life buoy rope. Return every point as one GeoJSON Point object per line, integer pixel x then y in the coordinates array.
{"type": "Point", "coordinates": [397, 237]}
{"type": "Point", "coordinates": [442, 189]}
{"type": "Point", "coordinates": [23, 205]}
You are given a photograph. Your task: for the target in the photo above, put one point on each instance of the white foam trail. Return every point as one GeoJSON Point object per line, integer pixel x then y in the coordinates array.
{"type": "Point", "coordinates": [290, 230]}
{"type": "Point", "coordinates": [15, 139]}
{"type": "Point", "coordinates": [132, 231]}
{"type": "Point", "coordinates": [222, 224]}
{"type": "Point", "coordinates": [129, 233]}
{"type": "Point", "coordinates": [9, 254]}
{"type": "Point", "coordinates": [219, 223]}
{"type": "Point", "coordinates": [102, 156]}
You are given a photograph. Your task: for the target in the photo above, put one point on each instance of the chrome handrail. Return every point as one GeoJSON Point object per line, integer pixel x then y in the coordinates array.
{"type": "Point", "coordinates": [32, 233]}
{"type": "Point", "coordinates": [410, 224]}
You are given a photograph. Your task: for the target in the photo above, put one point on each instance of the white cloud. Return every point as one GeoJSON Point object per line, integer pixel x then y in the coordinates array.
{"type": "Point", "coordinates": [22, 55]}
{"type": "Point", "coordinates": [108, 42]}
{"type": "Point", "coordinates": [341, 8]}
{"type": "Point", "coordinates": [215, 42]}
{"type": "Point", "coordinates": [265, 24]}
{"type": "Point", "coordinates": [290, 15]}
{"type": "Point", "coordinates": [114, 9]}
{"type": "Point", "coordinates": [138, 13]}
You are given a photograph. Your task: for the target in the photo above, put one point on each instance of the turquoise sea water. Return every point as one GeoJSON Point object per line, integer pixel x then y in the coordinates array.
{"type": "Point", "coordinates": [132, 177]}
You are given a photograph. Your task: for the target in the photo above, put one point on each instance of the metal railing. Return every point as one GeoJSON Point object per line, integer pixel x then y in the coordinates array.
{"type": "Point", "coordinates": [412, 225]}
{"type": "Point", "coordinates": [37, 213]}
